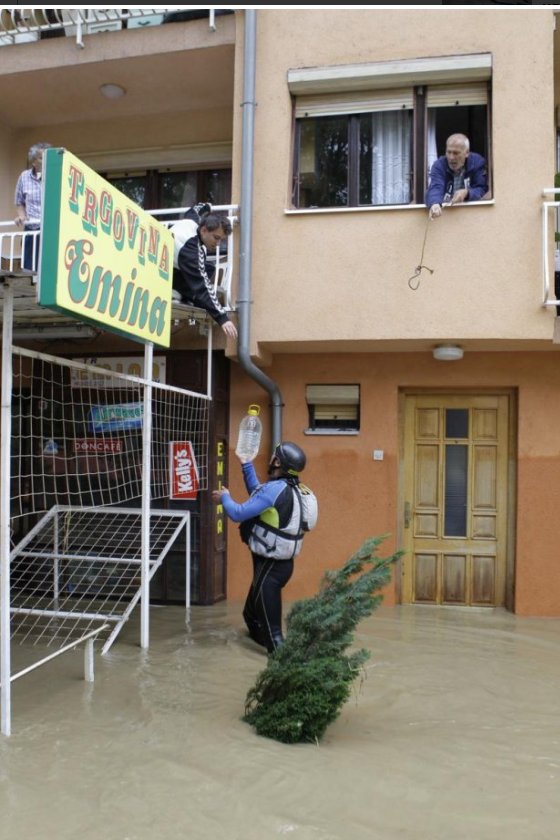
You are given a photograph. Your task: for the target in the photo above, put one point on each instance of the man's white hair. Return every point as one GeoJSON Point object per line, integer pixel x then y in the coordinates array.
{"type": "Point", "coordinates": [460, 138]}
{"type": "Point", "coordinates": [35, 151]}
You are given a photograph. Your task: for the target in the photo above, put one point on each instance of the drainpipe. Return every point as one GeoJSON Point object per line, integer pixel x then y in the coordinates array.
{"type": "Point", "coordinates": [246, 230]}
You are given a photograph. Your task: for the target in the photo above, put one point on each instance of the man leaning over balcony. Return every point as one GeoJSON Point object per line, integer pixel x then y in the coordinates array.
{"type": "Point", "coordinates": [457, 176]}
{"type": "Point", "coordinates": [199, 232]}
{"type": "Point", "coordinates": [28, 201]}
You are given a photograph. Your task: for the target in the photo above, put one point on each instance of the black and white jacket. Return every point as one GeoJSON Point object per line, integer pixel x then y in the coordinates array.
{"type": "Point", "coordinates": [192, 274]}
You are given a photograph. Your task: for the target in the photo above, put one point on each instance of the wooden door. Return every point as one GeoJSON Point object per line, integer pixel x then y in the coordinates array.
{"type": "Point", "coordinates": [455, 499]}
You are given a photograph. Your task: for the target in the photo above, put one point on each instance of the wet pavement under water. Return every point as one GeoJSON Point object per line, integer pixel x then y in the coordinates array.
{"type": "Point", "coordinates": [453, 733]}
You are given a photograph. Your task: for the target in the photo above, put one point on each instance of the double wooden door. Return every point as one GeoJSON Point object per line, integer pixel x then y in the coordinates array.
{"type": "Point", "coordinates": [455, 499]}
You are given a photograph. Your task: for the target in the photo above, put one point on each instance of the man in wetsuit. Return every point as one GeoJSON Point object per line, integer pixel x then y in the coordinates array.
{"type": "Point", "coordinates": [272, 520]}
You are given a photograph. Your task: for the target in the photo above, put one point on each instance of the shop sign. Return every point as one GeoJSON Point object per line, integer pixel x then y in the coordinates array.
{"type": "Point", "coordinates": [100, 446]}
{"type": "Point", "coordinates": [220, 469]}
{"type": "Point", "coordinates": [127, 365]}
{"type": "Point", "coordinates": [183, 471]}
{"type": "Point", "coordinates": [103, 259]}
{"type": "Point", "coordinates": [116, 418]}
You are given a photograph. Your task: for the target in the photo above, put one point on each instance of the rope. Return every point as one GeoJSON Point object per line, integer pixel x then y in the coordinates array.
{"type": "Point", "coordinates": [418, 270]}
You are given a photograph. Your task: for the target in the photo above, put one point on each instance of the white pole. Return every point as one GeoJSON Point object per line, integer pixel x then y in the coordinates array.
{"type": "Point", "coordinates": [188, 568]}
{"type": "Point", "coordinates": [5, 438]}
{"type": "Point", "coordinates": [56, 565]}
{"type": "Point", "coordinates": [88, 661]}
{"type": "Point", "coordinates": [209, 361]}
{"type": "Point", "coordinates": [61, 650]}
{"type": "Point", "coordinates": [146, 497]}
{"type": "Point", "coordinates": [545, 254]}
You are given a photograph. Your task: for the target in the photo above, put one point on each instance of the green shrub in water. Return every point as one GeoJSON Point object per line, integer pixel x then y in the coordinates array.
{"type": "Point", "coordinates": [308, 679]}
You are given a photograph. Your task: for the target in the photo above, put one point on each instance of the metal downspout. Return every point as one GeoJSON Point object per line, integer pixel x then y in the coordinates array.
{"type": "Point", "coordinates": [246, 231]}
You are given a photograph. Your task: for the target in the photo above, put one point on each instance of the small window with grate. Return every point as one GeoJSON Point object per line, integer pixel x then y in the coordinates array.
{"type": "Point", "coordinates": [333, 409]}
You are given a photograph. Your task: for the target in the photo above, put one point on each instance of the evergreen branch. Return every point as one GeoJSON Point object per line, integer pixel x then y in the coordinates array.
{"type": "Point", "coordinates": [309, 678]}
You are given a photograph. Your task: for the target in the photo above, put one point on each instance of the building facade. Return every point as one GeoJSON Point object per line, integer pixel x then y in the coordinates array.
{"type": "Point", "coordinates": [352, 288]}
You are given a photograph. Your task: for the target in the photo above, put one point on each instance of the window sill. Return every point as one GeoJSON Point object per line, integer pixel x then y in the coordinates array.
{"type": "Point", "coordinates": [382, 207]}
{"type": "Point", "coordinates": [331, 431]}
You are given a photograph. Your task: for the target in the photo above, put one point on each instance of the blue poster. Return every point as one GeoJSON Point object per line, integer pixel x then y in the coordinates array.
{"type": "Point", "coordinates": [115, 418]}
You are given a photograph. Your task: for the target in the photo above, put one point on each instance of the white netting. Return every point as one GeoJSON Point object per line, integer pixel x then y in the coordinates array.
{"type": "Point", "coordinates": [80, 568]}
{"type": "Point", "coordinates": [77, 437]}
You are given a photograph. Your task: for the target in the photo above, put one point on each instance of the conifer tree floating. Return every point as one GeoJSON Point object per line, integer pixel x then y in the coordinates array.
{"type": "Point", "coordinates": [308, 679]}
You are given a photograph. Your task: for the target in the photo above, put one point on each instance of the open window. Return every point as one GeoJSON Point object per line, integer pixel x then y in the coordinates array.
{"type": "Point", "coordinates": [367, 135]}
{"type": "Point", "coordinates": [333, 409]}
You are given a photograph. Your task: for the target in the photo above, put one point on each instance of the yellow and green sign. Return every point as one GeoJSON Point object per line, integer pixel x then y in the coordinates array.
{"type": "Point", "coordinates": [103, 259]}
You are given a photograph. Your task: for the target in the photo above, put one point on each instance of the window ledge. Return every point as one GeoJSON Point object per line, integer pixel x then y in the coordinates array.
{"type": "Point", "coordinates": [375, 74]}
{"type": "Point", "coordinates": [307, 211]}
{"type": "Point", "coordinates": [331, 431]}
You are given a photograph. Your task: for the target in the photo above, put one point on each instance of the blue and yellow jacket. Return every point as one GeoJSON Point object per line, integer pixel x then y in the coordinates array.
{"type": "Point", "coordinates": [275, 508]}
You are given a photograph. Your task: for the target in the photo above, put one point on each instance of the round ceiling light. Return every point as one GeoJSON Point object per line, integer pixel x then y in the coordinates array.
{"type": "Point", "coordinates": [112, 91]}
{"type": "Point", "coordinates": [447, 352]}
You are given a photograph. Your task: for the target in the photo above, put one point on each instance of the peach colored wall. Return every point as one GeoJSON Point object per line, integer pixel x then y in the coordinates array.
{"type": "Point", "coordinates": [7, 182]}
{"type": "Point", "coordinates": [344, 275]}
{"type": "Point", "coordinates": [208, 126]}
{"type": "Point", "coordinates": [358, 496]}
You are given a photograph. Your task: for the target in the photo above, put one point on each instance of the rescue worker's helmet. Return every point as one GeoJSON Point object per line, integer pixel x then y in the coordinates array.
{"type": "Point", "coordinates": [291, 456]}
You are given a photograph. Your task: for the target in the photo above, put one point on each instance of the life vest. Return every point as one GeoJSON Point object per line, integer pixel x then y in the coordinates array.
{"type": "Point", "coordinates": [310, 507]}
{"type": "Point", "coordinates": [285, 543]}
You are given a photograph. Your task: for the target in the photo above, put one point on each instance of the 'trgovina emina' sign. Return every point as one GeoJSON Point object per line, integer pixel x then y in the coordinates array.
{"type": "Point", "coordinates": [103, 259]}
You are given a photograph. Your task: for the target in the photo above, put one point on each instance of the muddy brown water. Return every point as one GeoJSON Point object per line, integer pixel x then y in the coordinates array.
{"type": "Point", "coordinates": [454, 733]}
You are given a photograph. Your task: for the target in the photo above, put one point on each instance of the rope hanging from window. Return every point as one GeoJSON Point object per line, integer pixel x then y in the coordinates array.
{"type": "Point", "coordinates": [414, 281]}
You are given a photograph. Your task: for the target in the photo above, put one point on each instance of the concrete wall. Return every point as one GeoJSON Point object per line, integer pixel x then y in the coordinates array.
{"type": "Point", "coordinates": [336, 284]}
{"type": "Point", "coordinates": [358, 496]}
{"type": "Point", "coordinates": [344, 275]}
{"type": "Point", "coordinates": [7, 182]}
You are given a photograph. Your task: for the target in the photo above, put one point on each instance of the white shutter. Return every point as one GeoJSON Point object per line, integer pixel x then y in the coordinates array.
{"type": "Point", "coordinates": [332, 394]}
{"type": "Point", "coordinates": [335, 412]}
{"type": "Point", "coordinates": [441, 96]}
{"type": "Point", "coordinates": [357, 102]}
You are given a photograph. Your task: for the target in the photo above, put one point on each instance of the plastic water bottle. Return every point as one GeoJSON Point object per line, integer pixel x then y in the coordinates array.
{"type": "Point", "coordinates": [250, 432]}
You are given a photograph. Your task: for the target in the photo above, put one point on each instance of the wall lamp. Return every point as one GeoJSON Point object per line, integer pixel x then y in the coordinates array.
{"type": "Point", "coordinates": [45, 333]}
{"type": "Point", "coordinates": [447, 352]}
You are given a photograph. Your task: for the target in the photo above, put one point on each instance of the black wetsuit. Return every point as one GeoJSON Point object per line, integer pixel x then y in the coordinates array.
{"type": "Point", "coordinates": [271, 502]}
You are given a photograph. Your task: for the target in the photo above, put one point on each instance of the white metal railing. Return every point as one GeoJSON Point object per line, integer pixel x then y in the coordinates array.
{"type": "Point", "coordinates": [549, 291]}
{"type": "Point", "coordinates": [19, 25]}
{"type": "Point", "coordinates": [12, 245]}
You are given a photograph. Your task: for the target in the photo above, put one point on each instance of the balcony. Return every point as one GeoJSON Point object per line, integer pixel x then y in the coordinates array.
{"type": "Point", "coordinates": [162, 69]}
{"type": "Point", "coordinates": [550, 235]}
{"type": "Point", "coordinates": [29, 314]}
{"type": "Point", "coordinates": [18, 26]}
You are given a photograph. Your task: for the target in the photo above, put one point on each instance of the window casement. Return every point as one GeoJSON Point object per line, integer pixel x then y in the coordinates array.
{"type": "Point", "coordinates": [359, 146]}
{"type": "Point", "coordinates": [157, 188]}
{"type": "Point", "coordinates": [333, 409]}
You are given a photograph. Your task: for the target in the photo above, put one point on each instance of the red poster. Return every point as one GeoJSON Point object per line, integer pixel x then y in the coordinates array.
{"type": "Point", "coordinates": [183, 471]}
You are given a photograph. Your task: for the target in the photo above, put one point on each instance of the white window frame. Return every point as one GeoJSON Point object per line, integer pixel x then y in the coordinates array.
{"type": "Point", "coordinates": [341, 398]}
{"type": "Point", "coordinates": [351, 89]}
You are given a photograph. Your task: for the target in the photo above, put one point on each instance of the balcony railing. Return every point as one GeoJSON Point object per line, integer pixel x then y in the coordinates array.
{"type": "Point", "coordinates": [551, 288]}
{"type": "Point", "coordinates": [19, 25]}
{"type": "Point", "coordinates": [12, 245]}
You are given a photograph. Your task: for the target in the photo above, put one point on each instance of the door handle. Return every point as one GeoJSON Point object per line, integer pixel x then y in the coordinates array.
{"type": "Point", "coordinates": [407, 514]}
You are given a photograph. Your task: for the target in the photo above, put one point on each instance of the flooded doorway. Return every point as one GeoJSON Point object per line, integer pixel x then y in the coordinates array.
{"type": "Point", "coordinates": [455, 484]}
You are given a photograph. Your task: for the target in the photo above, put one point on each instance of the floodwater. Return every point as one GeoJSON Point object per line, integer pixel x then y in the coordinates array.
{"type": "Point", "coordinates": [454, 734]}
